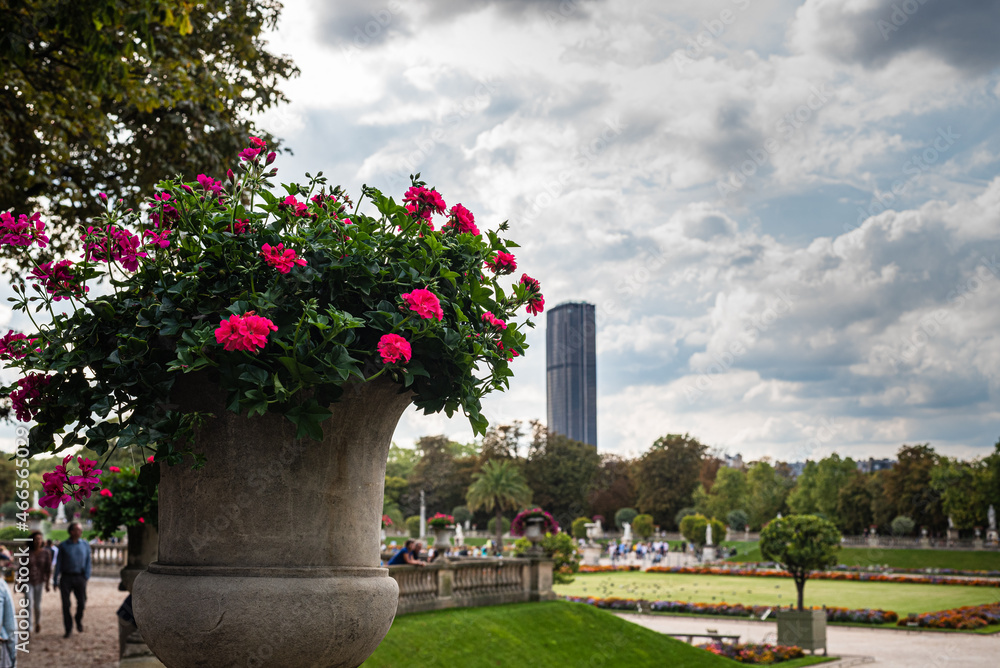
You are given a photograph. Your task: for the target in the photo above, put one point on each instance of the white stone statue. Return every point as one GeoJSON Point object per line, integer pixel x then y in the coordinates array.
{"type": "Point", "coordinates": [951, 523]}
{"type": "Point", "coordinates": [61, 514]}
{"type": "Point", "coordinates": [779, 516]}
{"type": "Point", "coordinates": [991, 515]}
{"type": "Point", "coordinates": [708, 535]}
{"type": "Point", "coordinates": [627, 536]}
{"type": "Point", "coordinates": [35, 506]}
{"type": "Point", "coordinates": [459, 534]}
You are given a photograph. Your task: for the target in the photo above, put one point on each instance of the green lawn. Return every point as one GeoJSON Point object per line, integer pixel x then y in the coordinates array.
{"type": "Point", "coordinates": [899, 597]}
{"type": "Point", "coordinates": [858, 556]}
{"type": "Point", "coordinates": [527, 635]}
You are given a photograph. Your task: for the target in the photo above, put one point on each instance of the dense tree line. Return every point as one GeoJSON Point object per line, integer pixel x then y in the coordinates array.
{"type": "Point", "coordinates": [678, 476]}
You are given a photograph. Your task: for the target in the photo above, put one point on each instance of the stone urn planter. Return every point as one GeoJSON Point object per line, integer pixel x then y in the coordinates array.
{"type": "Point", "coordinates": [269, 554]}
{"type": "Point", "coordinates": [142, 542]}
{"type": "Point", "coordinates": [804, 628]}
{"type": "Point", "coordinates": [534, 532]}
{"type": "Point", "coordinates": [442, 538]}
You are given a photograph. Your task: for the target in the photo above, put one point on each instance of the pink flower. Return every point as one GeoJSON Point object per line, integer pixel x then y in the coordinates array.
{"type": "Point", "coordinates": [14, 346]}
{"type": "Point", "coordinates": [55, 482]}
{"type": "Point", "coordinates": [150, 459]}
{"type": "Point", "coordinates": [59, 280]}
{"type": "Point", "coordinates": [209, 185]}
{"type": "Point", "coordinates": [393, 348]}
{"type": "Point", "coordinates": [27, 399]}
{"type": "Point", "coordinates": [535, 300]}
{"type": "Point", "coordinates": [462, 221]}
{"type": "Point", "coordinates": [421, 202]}
{"type": "Point", "coordinates": [491, 319]}
{"type": "Point", "coordinates": [114, 469]}
{"type": "Point", "coordinates": [157, 238]}
{"type": "Point", "coordinates": [249, 154]}
{"type": "Point", "coordinates": [281, 258]}
{"type": "Point", "coordinates": [509, 353]}
{"type": "Point", "coordinates": [22, 232]}
{"type": "Point", "coordinates": [503, 263]}
{"type": "Point", "coordinates": [258, 142]}
{"type": "Point", "coordinates": [112, 244]}
{"type": "Point", "coordinates": [106, 492]}
{"type": "Point", "coordinates": [241, 226]}
{"type": "Point", "coordinates": [290, 202]}
{"type": "Point", "coordinates": [142, 521]}
{"type": "Point", "coordinates": [424, 303]}
{"type": "Point", "coordinates": [243, 332]}
{"type": "Point", "coordinates": [161, 211]}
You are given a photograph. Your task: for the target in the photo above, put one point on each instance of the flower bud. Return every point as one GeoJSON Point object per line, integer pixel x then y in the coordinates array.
{"type": "Point", "coordinates": [104, 198]}
{"type": "Point", "coordinates": [270, 158]}
{"type": "Point", "coordinates": [230, 175]}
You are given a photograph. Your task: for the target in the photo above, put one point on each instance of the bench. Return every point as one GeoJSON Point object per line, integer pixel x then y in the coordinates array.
{"type": "Point", "coordinates": [711, 634]}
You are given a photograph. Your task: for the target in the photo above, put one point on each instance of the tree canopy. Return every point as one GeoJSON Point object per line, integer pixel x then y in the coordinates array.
{"type": "Point", "coordinates": [801, 544]}
{"type": "Point", "coordinates": [667, 475]}
{"type": "Point", "coordinates": [113, 96]}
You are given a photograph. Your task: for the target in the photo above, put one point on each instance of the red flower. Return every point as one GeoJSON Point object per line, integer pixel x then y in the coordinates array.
{"type": "Point", "coordinates": [114, 469]}
{"type": "Point", "coordinates": [142, 520]}
{"type": "Point", "coordinates": [290, 202]}
{"type": "Point", "coordinates": [22, 232]}
{"type": "Point", "coordinates": [535, 300]}
{"type": "Point", "coordinates": [27, 398]}
{"type": "Point", "coordinates": [13, 346]}
{"type": "Point", "coordinates": [462, 221]}
{"type": "Point", "coordinates": [424, 303]}
{"type": "Point", "coordinates": [243, 332]}
{"type": "Point", "coordinates": [209, 185]}
{"type": "Point", "coordinates": [241, 226]}
{"type": "Point", "coordinates": [161, 211]}
{"type": "Point", "coordinates": [393, 348]}
{"type": "Point", "coordinates": [249, 154]}
{"type": "Point", "coordinates": [112, 244]}
{"type": "Point", "coordinates": [150, 459]}
{"type": "Point", "coordinates": [58, 280]}
{"type": "Point", "coordinates": [157, 238]}
{"type": "Point", "coordinates": [491, 319]}
{"type": "Point", "coordinates": [106, 492]}
{"type": "Point", "coordinates": [258, 142]}
{"type": "Point", "coordinates": [421, 203]}
{"type": "Point", "coordinates": [281, 258]}
{"type": "Point", "coordinates": [503, 263]}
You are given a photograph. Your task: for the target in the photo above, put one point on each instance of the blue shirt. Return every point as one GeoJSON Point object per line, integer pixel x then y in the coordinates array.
{"type": "Point", "coordinates": [72, 558]}
{"type": "Point", "coordinates": [399, 559]}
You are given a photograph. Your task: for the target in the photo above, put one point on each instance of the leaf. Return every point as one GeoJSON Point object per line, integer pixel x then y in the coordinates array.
{"type": "Point", "coordinates": [308, 417]}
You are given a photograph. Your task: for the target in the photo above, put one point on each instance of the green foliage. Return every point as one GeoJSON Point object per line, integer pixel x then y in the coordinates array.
{"type": "Point", "coordinates": [908, 487]}
{"type": "Point", "coordinates": [579, 527]}
{"type": "Point", "coordinates": [9, 509]}
{"type": "Point", "coordinates": [667, 474]}
{"type": "Point", "coordinates": [682, 513]}
{"type": "Point", "coordinates": [491, 526]}
{"type": "Point", "coordinates": [560, 471]}
{"type": "Point", "coordinates": [963, 488]}
{"type": "Point", "coordinates": [903, 526]}
{"type": "Point", "coordinates": [8, 478]}
{"type": "Point", "coordinates": [694, 528]}
{"type": "Point", "coordinates": [462, 514]}
{"type": "Point", "coordinates": [854, 505]}
{"type": "Point", "coordinates": [801, 544]}
{"type": "Point", "coordinates": [625, 516]}
{"type": "Point", "coordinates": [442, 477]}
{"type": "Point", "coordinates": [642, 525]}
{"type": "Point", "coordinates": [737, 520]}
{"type": "Point", "coordinates": [612, 487]}
{"type": "Point", "coordinates": [114, 359]}
{"type": "Point", "coordinates": [767, 492]}
{"type": "Point", "coordinates": [818, 488]}
{"type": "Point", "coordinates": [130, 503]}
{"type": "Point", "coordinates": [12, 533]}
{"type": "Point", "coordinates": [562, 550]}
{"type": "Point", "coordinates": [729, 492]}
{"type": "Point", "coordinates": [113, 96]}
{"type": "Point", "coordinates": [401, 462]}
{"type": "Point", "coordinates": [413, 526]}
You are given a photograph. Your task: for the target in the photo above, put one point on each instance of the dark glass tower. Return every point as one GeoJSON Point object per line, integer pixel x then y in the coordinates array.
{"type": "Point", "coordinates": [571, 371]}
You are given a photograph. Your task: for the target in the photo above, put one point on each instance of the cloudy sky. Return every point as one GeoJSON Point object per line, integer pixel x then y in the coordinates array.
{"type": "Point", "coordinates": [785, 212]}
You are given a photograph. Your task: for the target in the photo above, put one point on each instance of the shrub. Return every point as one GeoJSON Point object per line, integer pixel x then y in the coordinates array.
{"type": "Point", "coordinates": [903, 526]}
{"type": "Point", "coordinates": [462, 514]}
{"type": "Point", "coordinates": [11, 533]}
{"type": "Point", "coordinates": [563, 551]}
{"type": "Point", "coordinates": [738, 520]}
{"type": "Point", "coordinates": [642, 525]}
{"type": "Point", "coordinates": [694, 528]}
{"type": "Point", "coordinates": [682, 513]}
{"type": "Point", "coordinates": [491, 526]}
{"type": "Point", "coordinates": [625, 515]}
{"type": "Point", "coordinates": [579, 527]}
{"type": "Point", "coordinates": [9, 510]}
{"type": "Point", "coordinates": [413, 526]}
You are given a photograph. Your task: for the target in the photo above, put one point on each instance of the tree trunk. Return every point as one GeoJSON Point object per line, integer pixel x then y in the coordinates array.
{"type": "Point", "coordinates": [499, 544]}
{"type": "Point", "coordinates": [800, 585]}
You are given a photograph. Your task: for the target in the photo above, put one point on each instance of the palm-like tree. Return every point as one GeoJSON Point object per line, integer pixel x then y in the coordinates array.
{"type": "Point", "coordinates": [497, 486]}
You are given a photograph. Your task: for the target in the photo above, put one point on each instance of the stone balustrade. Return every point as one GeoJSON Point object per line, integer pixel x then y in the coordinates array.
{"type": "Point", "coordinates": [472, 582]}
{"type": "Point", "coordinates": [106, 559]}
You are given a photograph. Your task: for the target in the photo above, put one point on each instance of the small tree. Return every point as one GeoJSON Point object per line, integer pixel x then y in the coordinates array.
{"type": "Point", "coordinates": [801, 544]}
{"type": "Point", "coordinates": [413, 526]}
{"type": "Point", "coordinates": [491, 526]}
{"type": "Point", "coordinates": [625, 516]}
{"type": "Point", "coordinates": [579, 527]}
{"type": "Point", "coordinates": [903, 526]}
{"type": "Point", "coordinates": [737, 519]}
{"type": "Point", "coordinates": [694, 529]}
{"type": "Point", "coordinates": [461, 514]}
{"type": "Point", "coordinates": [643, 526]}
{"type": "Point", "coordinates": [497, 486]}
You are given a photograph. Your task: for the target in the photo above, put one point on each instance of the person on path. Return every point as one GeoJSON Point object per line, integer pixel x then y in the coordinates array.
{"type": "Point", "coordinates": [406, 556]}
{"type": "Point", "coordinates": [72, 570]}
{"type": "Point", "coordinates": [39, 572]}
{"type": "Point", "coordinates": [8, 626]}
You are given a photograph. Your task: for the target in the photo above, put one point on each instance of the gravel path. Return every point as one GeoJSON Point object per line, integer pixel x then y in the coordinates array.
{"type": "Point", "coordinates": [96, 647]}
{"type": "Point", "coordinates": [890, 648]}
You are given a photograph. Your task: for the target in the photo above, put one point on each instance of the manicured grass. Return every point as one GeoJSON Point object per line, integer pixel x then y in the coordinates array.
{"type": "Point", "coordinates": [956, 559]}
{"type": "Point", "coordinates": [902, 598]}
{"type": "Point", "coordinates": [555, 633]}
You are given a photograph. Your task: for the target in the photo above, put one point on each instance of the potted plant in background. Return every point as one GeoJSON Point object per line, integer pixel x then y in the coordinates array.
{"type": "Point", "coordinates": [801, 544]}
{"type": "Point", "coordinates": [36, 516]}
{"type": "Point", "coordinates": [534, 524]}
{"type": "Point", "coordinates": [125, 502]}
{"type": "Point", "coordinates": [261, 348]}
{"type": "Point", "coordinates": [442, 526]}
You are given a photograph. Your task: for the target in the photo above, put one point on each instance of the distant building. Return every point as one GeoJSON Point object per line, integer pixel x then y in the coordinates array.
{"type": "Point", "coordinates": [873, 465]}
{"type": "Point", "coordinates": [797, 469]}
{"type": "Point", "coordinates": [734, 461]}
{"type": "Point", "coordinates": [571, 371]}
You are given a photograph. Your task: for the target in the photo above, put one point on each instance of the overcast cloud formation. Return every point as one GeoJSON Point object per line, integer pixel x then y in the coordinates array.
{"type": "Point", "coordinates": [785, 212]}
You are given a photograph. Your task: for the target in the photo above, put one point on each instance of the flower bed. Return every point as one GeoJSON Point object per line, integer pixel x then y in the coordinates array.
{"type": "Point", "coordinates": [967, 618]}
{"type": "Point", "coordinates": [825, 575]}
{"type": "Point", "coordinates": [840, 568]}
{"type": "Point", "coordinates": [754, 654]}
{"type": "Point", "coordinates": [607, 569]}
{"type": "Point", "coordinates": [864, 616]}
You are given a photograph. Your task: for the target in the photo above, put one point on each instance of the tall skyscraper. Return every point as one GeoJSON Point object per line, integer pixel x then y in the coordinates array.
{"type": "Point", "coordinates": [571, 371]}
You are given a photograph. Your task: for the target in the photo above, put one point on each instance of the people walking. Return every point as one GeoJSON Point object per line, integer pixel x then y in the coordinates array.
{"type": "Point", "coordinates": [39, 572]}
{"type": "Point", "coordinates": [72, 570]}
{"type": "Point", "coordinates": [8, 626]}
